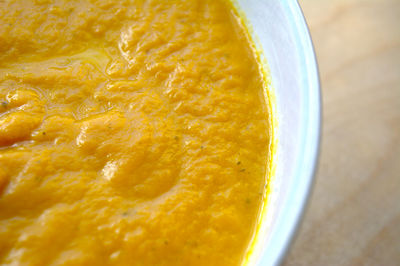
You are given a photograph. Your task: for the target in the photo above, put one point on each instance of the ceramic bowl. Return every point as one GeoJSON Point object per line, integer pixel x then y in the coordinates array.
{"type": "Point", "coordinates": [281, 34]}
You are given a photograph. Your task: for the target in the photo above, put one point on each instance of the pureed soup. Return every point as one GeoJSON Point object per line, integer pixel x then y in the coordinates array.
{"type": "Point", "coordinates": [131, 133]}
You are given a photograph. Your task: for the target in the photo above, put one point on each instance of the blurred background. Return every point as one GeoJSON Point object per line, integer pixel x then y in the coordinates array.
{"type": "Point", "coordinates": [354, 213]}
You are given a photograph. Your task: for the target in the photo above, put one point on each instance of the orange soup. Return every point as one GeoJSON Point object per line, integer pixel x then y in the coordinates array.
{"type": "Point", "coordinates": [131, 133]}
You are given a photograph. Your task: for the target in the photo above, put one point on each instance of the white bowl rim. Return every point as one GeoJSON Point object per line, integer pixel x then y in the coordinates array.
{"type": "Point", "coordinates": [299, 193]}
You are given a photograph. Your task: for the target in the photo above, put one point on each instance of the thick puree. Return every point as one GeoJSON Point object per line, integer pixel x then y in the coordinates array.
{"type": "Point", "coordinates": [131, 133]}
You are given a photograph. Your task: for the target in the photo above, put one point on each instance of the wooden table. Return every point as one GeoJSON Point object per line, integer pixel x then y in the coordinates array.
{"type": "Point", "coordinates": [354, 214]}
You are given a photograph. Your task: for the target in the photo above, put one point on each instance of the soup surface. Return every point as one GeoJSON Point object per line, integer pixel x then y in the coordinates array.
{"type": "Point", "coordinates": [131, 133]}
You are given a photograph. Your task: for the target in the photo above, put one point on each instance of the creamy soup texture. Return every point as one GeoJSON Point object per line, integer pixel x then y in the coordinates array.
{"type": "Point", "coordinates": [131, 133]}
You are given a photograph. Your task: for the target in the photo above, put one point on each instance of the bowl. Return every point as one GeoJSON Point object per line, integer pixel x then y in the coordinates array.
{"type": "Point", "coordinates": [280, 32]}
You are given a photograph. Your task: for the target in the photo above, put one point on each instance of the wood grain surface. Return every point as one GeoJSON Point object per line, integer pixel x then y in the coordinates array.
{"type": "Point", "coordinates": [354, 214]}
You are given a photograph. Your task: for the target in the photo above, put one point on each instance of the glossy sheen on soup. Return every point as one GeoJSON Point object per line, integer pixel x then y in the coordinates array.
{"type": "Point", "coordinates": [131, 133]}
